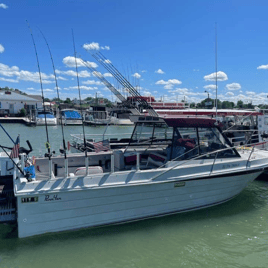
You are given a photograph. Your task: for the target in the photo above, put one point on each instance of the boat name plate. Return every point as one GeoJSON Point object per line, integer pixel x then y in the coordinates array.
{"type": "Point", "coordinates": [52, 197]}
{"type": "Point", "coordinates": [29, 199]}
{"type": "Point", "coordinates": [179, 184]}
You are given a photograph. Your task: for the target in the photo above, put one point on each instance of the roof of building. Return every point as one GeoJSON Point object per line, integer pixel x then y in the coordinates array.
{"type": "Point", "coordinates": [12, 96]}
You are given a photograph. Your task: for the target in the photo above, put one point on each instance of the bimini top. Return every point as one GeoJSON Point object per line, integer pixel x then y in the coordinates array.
{"type": "Point", "coordinates": [176, 120]}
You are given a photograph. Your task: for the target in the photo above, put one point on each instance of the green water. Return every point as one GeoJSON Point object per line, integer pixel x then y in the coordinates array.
{"type": "Point", "coordinates": [234, 234]}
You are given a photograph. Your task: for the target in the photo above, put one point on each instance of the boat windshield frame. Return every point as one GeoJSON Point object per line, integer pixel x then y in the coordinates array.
{"type": "Point", "coordinates": [206, 138]}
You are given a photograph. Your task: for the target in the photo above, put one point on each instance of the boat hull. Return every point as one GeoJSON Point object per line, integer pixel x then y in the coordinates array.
{"type": "Point", "coordinates": [61, 210]}
{"type": "Point", "coordinates": [49, 122]}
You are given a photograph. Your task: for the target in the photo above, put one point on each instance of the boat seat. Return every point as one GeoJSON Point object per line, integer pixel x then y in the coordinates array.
{"type": "Point", "coordinates": [156, 159]}
{"type": "Point", "coordinates": [91, 170]}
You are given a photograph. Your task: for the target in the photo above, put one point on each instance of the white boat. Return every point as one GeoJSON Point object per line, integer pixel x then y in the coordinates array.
{"type": "Point", "coordinates": [183, 164]}
{"type": "Point", "coordinates": [71, 117]}
{"type": "Point", "coordinates": [44, 117]}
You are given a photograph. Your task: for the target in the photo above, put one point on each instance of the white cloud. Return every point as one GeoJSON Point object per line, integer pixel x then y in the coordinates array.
{"type": "Point", "coordinates": [105, 48]}
{"type": "Point", "coordinates": [136, 75]}
{"type": "Point", "coordinates": [230, 93]}
{"type": "Point", "coordinates": [183, 91]}
{"type": "Point", "coordinates": [143, 71]}
{"type": "Point", "coordinates": [264, 67]}
{"type": "Point", "coordinates": [81, 87]}
{"type": "Point", "coordinates": [168, 84]}
{"type": "Point", "coordinates": [92, 46]}
{"type": "Point", "coordinates": [70, 62]}
{"type": "Point", "coordinates": [221, 76]}
{"type": "Point", "coordinates": [91, 82]}
{"type": "Point", "coordinates": [250, 93]}
{"type": "Point", "coordinates": [9, 80]}
{"type": "Point", "coordinates": [170, 81]}
{"type": "Point", "coordinates": [2, 49]}
{"type": "Point", "coordinates": [159, 71]}
{"type": "Point", "coordinates": [4, 6]}
{"type": "Point", "coordinates": [233, 86]}
{"type": "Point", "coordinates": [73, 73]}
{"type": "Point", "coordinates": [107, 61]}
{"type": "Point", "coordinates": [5, 70]}
{"type": "Point", "coordinates": [95, 46]}
{"type": "Point", "coordinates": [107, 75]}
{"type": "Point", "coordinates": [210, 87]}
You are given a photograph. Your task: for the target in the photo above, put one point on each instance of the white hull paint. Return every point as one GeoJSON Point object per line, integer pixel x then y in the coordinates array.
{"type": "Point", "coordinates": [72, 203]}
{"type": "Point", "coordinates": [50, 122]}
{"type": "Point", "coordinates": [71, 122]}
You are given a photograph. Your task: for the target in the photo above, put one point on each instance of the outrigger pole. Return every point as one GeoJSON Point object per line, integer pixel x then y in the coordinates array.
{"type": "Point", "coordinates": [123, 81]}
{"type": "Point", "coordinates": [42, 91]}
{"type": "Point", "coordinates": [58, 95]}
{"type": "Point", "coordinates": [85, 143]}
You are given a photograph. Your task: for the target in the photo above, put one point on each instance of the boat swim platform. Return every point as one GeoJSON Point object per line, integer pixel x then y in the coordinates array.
{"type": "Point", "coordinates": [21, 120]}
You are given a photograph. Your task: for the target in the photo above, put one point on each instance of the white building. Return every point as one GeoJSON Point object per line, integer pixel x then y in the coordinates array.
{"type": "Point", "coordinates": [11, 103]}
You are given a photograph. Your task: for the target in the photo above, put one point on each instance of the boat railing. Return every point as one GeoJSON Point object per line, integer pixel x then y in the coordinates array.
{"type": "Point", "coordinates": [216, 152]}
{"type": "Point", "coordinates": [100, 137]}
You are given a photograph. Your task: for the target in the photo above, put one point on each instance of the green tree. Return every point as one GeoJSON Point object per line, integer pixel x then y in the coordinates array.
{"type": "Point", "coordinates": [240, 104]}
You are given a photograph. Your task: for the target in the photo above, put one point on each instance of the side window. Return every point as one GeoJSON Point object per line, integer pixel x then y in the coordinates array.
{"type": "Point", "coordinates": [0, 105]}
{"type": "Point", "coordinates": [185, 144]}
{"type": "Point", "coordinates": [266, 121]}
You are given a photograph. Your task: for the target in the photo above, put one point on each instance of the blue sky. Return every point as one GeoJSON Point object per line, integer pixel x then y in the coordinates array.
{"type": "Point", "coordinates": [166, 48]}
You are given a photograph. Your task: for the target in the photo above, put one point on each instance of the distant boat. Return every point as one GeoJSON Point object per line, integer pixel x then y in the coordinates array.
{"type": "Point", "coordinates": [71, 117]}
{"type": "Point", "coordinates": [45, 117]}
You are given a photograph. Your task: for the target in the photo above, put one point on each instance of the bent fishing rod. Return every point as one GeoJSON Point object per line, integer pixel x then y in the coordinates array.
{"type": "Point", "coordinates": [42, 92]}
{"type": "Point", "coordinates": [58, 95]}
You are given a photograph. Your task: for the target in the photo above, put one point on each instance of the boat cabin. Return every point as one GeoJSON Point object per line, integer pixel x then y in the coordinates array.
{"type": "Point", "coordinates": [162, 139]}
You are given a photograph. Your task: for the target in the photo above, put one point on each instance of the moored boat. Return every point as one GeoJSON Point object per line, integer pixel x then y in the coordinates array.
{"type": "Point", "coordinates": [71, 117]}
{"type": "Point", "coordinates": [44, 117]}
{"type": "Point", "coordinates": [172, 164]}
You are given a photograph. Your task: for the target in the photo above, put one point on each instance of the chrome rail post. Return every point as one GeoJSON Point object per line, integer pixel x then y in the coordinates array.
{"type": "Point", "coordinates": [213, 163]}
{"type": "Point", "coordinates": [250, 156]}
{"type": "Point", "coordinates": [112, 163]}
{"type": "Point", "coordinates": [138, 161]}
{"type": "Point", "coordinates": [66, 167]}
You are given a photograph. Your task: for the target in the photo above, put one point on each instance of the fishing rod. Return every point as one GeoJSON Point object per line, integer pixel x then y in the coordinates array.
{"type": "Point", "coordinates": [104, 81]}
{"type": "Point", "coordinates": [123, 81]}
{"type": "Point", "coordinates": [48, 154]}
{"type": "Point", "coordinates": [216, 67]}
{"type": "Point", "coordinates": [85, 143]}
{"type": "Point", "coordinates": [57, 87]}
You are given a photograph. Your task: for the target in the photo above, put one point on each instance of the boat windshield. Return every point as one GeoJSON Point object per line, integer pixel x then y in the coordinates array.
{"type": "Point", "coordinates": [180, 143]}
{"type": "Point", "coordinates": [151, 134]}
{"type": "Point", "coordinates": [191, 142]}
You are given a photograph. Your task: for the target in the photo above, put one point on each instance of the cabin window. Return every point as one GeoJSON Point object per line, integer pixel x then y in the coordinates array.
{"type": "Point", "coordinates": [184, 145]}
{"type": "Point", "coordinates": [191, 142]}
{"type": "Point", "coordinates": [210, 139]}
{"type": "Point", "coordinates": [265, 120]}
{"type": "Point", "coordinates": [151, 134]}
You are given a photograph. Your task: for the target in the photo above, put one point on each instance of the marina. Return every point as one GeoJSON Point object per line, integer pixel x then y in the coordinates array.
{"type": "Point", "coordinates": [132, 142]}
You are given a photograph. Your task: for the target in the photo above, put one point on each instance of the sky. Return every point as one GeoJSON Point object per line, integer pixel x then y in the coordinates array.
{"type": "Point", "coordinates": [167, 49]}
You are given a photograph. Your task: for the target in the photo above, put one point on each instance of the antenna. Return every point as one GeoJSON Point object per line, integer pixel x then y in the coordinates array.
{"type": "Point", "coordinates": [216, 66]}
